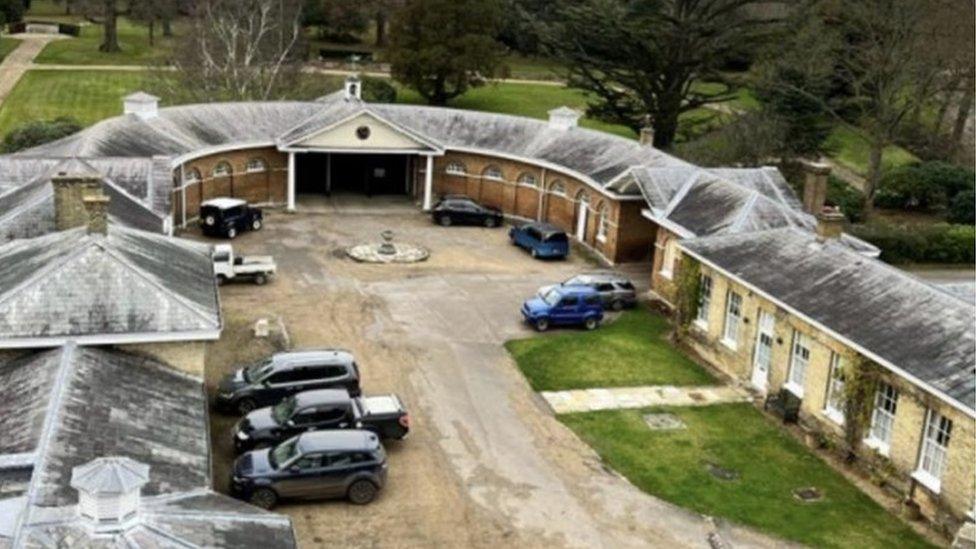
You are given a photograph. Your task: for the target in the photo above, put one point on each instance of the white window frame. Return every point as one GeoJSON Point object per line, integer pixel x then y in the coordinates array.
{"type": "Point", "coordinates": [704, 301]}
{"type": "Point", "coordinates": [191, 176]}
{"type": "Point", "coordinates": [491, 175]}
{"type": "Point", "coordinates": [883, 418]}
{"type": "Point", "coordinates": [833, 399]}
{"type": "Point", "coordinates": [456, 168]}
{"type": "Point", "coordinates": [558, 188]}
{"type": "Point", "coordinates": [256, 165]}
{"type": "Point", "coordinates": [933, 456]}
{"type": "Point", "coordinates": [603, 226]}
{"type": "Point", "coordinates": [733, 319]}
{"type": "Point", "coordinates": [667, 262]}
{"type": "Point", "coordinates": [800, 353]}
{"type": "Point", "coordinates": [217, 172]}
{"type": "Point", "coordinates": [528, 180]}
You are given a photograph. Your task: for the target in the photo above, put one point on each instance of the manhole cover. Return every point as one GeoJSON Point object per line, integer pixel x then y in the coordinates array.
{"type": "Point", "coordinates": [722, 473]}
{"type": "Point", "coordinates": [807, 495]}
{"type": "Point", "coordinates": [664, 422]}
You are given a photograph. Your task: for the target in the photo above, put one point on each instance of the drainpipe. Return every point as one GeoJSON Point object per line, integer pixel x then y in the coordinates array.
{"type": "Point", "coordinates": [291, 181]}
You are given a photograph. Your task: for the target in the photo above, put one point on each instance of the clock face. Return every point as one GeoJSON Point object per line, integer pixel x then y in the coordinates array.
{"type": "Point", "coordinates": [362, 132]}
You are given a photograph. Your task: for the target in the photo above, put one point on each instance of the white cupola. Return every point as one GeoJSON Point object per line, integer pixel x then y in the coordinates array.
{"type": "Point", "coordinates": [109, 492]}
{"type": "Point", "coordinates": [354, 88]}
{"type": "Point", "coordinates": [563, 118]}
{"type": "Point", "coordinates": [141, 104]}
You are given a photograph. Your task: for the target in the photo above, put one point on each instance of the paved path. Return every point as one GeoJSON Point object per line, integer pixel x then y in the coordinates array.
{"type": "Point", "coordinates": [21, 60]}
{"type": "Point", "coordinates": [590, 400]}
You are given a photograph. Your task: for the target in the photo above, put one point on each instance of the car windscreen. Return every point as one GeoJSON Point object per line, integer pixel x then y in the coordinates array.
{"type": "Point", "coordinates": [552, 297]}
{"type": "Point", "coordinates": [283, 410]}
{"type": "Point", "coordinates": [283, 452]}
{"type": "Point", "coordinates": [556, 237]}
{"type": "Point", "coordinates": [258, 371]}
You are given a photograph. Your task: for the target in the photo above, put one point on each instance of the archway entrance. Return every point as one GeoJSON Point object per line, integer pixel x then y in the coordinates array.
{"type": "Point", "coordinates": [366, 174]}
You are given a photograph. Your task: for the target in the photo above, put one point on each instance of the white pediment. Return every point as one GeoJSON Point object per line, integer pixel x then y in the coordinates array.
{"type": "Point", "coordinates": [363, 132]}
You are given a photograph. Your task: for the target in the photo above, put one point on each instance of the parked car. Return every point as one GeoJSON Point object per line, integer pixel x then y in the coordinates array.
{"type": "Point", "coordinates": [316, 465]}
{"type": "Point", "coordinates": [227, 266]}
{"type": "Point", "coordinates": [228, 217]}
{"type": "Point", "coordinates": [461, 210]}
{"type": "Point", "coordinates": [268, 381]}
{"type": "Point", "coordinates": [564, 306]}
{"type": "Point", "coordinates": [541, 239]}
{"type": "Point", "coordinates": [616, 291]}
{"type": "Point", "coordinates": [320, 410]}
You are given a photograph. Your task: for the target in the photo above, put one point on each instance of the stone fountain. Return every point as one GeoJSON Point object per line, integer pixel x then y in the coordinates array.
{"type": "Point", "coordinates": [387, 251]}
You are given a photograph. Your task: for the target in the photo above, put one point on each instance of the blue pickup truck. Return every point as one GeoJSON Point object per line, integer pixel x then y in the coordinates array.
{"type": "Point", "coordinates": [564, 306]}
{"type": "Point", "coordinates": [541, 239]}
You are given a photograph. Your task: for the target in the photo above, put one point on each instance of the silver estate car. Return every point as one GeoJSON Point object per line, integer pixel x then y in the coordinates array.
{"type": "Point", "coordinates": [616, 292]}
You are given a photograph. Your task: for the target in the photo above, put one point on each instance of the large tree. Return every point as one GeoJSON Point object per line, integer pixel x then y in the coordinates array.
{"type": "Point", "coordinates": [105, 13]}
{"type": "Point", "coordinates": [441, 48]}
{"type": "Point", "coordinates": [640, 58]}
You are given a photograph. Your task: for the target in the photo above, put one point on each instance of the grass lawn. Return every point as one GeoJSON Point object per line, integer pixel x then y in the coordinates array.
{"type": "Point", "coordinates": [522, 99]}
{"type": "Point", "coordinates": [672, 465]}
{"type": "Point", "coordinates": [87, 96]}
{"type": "Point", "coordinates": [631, 351]}
{"type": "Point", "coordinates": [851, 149]}
{"type": "Point", "coordinates": [133, 39]}
{"type": "Point", "coordinates": [7, 45]}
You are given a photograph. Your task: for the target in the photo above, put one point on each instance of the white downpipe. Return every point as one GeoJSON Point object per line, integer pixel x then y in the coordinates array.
{"type": "Point", "coordinates": [428, 183]}
{"type": "Point", "coordinates": [291, 182]}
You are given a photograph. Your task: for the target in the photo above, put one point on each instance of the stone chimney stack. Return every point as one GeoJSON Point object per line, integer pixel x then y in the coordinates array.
{"type": "Point", "coordinates": [563, 118]}
{"type": "Point", "coordinates": [141, 104]}
{"type": "Point", "coordinates": [647, 132]}
{"type": "Point", "coordinates": [815, 187]}
{"type": "Point", "coordinates": [96, 206]}
{"type": "Point", "coordinates": [353, 88]}
{"type": "Point", "coordinates": [109, 492]}
{"type": "Point", "coordinates": [73, 181]}
{"type": "Point", "coordinates": [830, 223]}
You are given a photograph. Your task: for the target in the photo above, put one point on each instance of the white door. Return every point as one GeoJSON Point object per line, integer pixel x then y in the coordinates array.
{"type": "Point", "coordinates": [764, 352]}
{"type": "Point", "coordinates": [583, 209]}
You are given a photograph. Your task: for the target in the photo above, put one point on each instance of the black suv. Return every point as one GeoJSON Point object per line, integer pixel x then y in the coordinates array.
{"type": "Point", "coordinates": [267, 381]}
{"type": "Point", "coordinates": [320, 464]}
{"type": "Point", "coordinates": [228, 217]}
{"type": "Point", "coordinates": [461, 210]}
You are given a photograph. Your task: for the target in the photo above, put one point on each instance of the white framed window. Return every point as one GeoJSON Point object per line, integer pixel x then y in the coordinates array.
{"type": "Point", "coordinates": [935, 449]}
{"type": "Point", "coordinates": [799, 361]}
{"type": "Point", "coordinates": [256, 165]}
{"type": "Point", "coordinates": [883, 418]}
{"type": "Point", "coordinates": [704, 300]}
{"type": "Point", "coordinates": [603, 227]}
{"type": "Point", "coordinates": [494, 173]}
{"type": "Point", "coordinates": [558, 188]}
{"type": "Point", "coordinates": [667, 262]}
{"type": "Point", "coordinates": [733, 317]}
{"type": "Point", "coordinates": [528, 180]}
{"type": "Point", "coordinates": [834, 401]}
{"type": "Point", "coordinates": [192, 176]}
{"type": "Point", "coordinates": [456, 168]}
{"type": "Point", "coordinates": [222, 169]}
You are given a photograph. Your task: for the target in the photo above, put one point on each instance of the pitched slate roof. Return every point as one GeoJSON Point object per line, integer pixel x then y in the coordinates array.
{"type": "Point", "coordinates": [25, 383]}
{"type": "Point", "coordinates": [104, 402]}
{"type": "Point", "coordinates": [884, 313]}
{"type": "Point", "coordinates": [127, 284]}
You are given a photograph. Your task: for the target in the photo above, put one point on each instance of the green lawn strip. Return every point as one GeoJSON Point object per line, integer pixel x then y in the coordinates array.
{"type": "Point", "coordinates": [87, 96]}
{"type": "Point", "coordinates": [771, 464]}
{"type": "Point", "coordinates": [631, 351]}
{"type": "Point", "coordinates": [133, 39]}
{"type": "Point", "coordinates": [851, 149]}
{"type": "Point", "coordinates": [7, 45]}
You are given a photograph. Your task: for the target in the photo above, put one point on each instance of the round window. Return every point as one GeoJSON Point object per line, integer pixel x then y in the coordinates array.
{"type": "Point", "coordinates": [362, 132]}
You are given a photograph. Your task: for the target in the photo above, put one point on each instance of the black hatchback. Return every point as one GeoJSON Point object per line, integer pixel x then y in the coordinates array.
{"type": "Point", "coordinates": [315, 465]}
{"type": "Point", "coordinates": [228, 217]}
{"type": "Point", "coordinates": [461, 210]}
{"type": "Point", "coordinates": [268, 381]}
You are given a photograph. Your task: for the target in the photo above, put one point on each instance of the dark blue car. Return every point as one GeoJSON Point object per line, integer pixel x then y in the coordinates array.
{"type": "Point", "coordinates": [541, 239]}
{"type": "Point", "coordinates": [564, 306]}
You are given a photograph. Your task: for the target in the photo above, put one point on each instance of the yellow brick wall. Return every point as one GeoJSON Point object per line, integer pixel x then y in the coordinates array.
{"type": "Point", "coordinates": [186, 356]}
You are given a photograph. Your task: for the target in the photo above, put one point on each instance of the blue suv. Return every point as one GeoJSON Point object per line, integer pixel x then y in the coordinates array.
{"type": "Point", "coordinates": [564, 305]}
{"type": "Point", "coordinates": [541, 239]}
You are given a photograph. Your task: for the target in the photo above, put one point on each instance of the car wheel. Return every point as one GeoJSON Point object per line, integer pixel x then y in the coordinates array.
{"type": "Point", "coordinates": [590, 323]}
{"type": "Point", "coordinates": [261, 280]}
{"type": "Point", "coordinates": [617, 305]}
{"type": "Point", "coordinates": [445, 221]}
{"type": "Point", "coordinates": [256, 225]}
{"type": "Point", "coordinates": [209, 220]}
{"type": "Point", "coordinates": [490, 222]}
{"type": "Point", "coordinates": [265, 498]}
{"type": "Point", "coordinates": [534, 253]}
{"type": "Point", "coordinates": [221, 280]}
{"type": "Point", "coordinates": [542, 324]}
{"type": "Point", "coordinates": [246, 406]}
{"type": "Point", "coordinates": [231, 233]}
{"type": "Point", "coordinates": [362, 492]}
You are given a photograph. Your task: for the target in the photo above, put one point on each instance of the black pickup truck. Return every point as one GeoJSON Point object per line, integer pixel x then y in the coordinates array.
{"type": "Point", "coordinates": [318, 410]}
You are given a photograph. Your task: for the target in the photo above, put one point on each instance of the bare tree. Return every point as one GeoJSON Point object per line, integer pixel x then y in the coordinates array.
{"type": "Point", "coordinates": [237, 50]}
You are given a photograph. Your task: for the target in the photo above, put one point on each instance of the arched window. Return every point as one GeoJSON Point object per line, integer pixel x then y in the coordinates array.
{"type": "Point", "coordinates": [558, 188]}
{"type": "Point", "coordinates": [222, 169]}
{"type": "Point", "coordinates": [256, 165]}
{"type": "Point", "coordinates": [456, 168]}
{"type": "Point", "coordinates": [528, 180]}
{"type": "Point", "coordinates": [603, 227]}
{"type": "Point", "coordinates": [494, 173]}
{"type": "Point", "coordinates": [192, 176]}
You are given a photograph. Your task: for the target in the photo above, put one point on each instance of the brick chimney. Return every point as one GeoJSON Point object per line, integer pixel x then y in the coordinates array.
{"type": "Point", "coordinates": [72, 183]}
{"type": "Point", "coordinates": [815, 187]}
{"type": "Point", "coordinates": [830, 223]}
{"type": "Point", "coordinates": [96, 207]}
{"type": "Point", "coordinates": [647, 132]}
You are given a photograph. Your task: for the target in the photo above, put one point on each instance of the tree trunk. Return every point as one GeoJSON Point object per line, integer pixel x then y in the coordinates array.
{"type": "Point", "coordinates": [167, 28]}
{"type": "Point", "coordinates": [380, 29]}
{"type": "Point", "coordinates": [873, 178]}
{"type": "Point", "coordinates": [962, 115]}
{"type": "Point", "coordinates": [110, 40]}
{"type": "Point", "coordinates": [152, 33]}
{"type": "Point", "coordinates": [665, 128]}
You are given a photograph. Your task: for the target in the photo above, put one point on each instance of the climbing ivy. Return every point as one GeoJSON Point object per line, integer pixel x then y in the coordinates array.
{"type": "Point", "coordinates": [686, 300]}
{"type": "Point", "coordinates": [861, 377]}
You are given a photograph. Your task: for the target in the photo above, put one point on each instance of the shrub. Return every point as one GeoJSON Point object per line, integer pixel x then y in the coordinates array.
{"type": "Point", "coordinates": [962, 209]}
{"type": "Point", "coordinates": [378, 90]}
{"type": "Point", "coordinates": [38, 132]}
{"type": "Point", "coordinates": [847, 198]}
{"type": "Point", "coordinates": [926, 186]}
{"type": "Point", "coordinates": [936, 243]}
